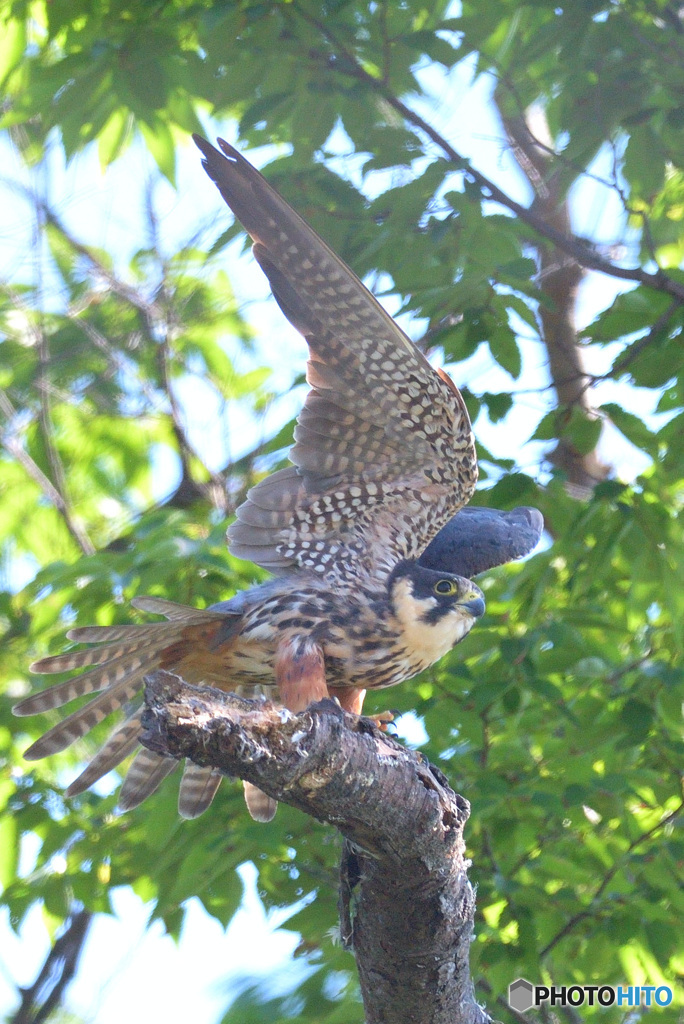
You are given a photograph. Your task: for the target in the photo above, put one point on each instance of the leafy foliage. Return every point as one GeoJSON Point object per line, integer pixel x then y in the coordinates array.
{"type": "Point", "coordinates": [560, 718]}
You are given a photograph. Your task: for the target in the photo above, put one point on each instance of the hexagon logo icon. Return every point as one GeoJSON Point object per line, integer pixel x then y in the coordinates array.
{"type": "Point", "coordinates": [521, 995]}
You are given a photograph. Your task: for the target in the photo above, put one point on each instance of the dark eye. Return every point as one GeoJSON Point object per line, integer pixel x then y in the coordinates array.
{"type": "Point", "coordinates": [445, 587]}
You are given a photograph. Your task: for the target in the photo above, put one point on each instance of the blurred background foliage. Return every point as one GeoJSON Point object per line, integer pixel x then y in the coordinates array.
{"type": "Point", "coordinates": [560, 718]}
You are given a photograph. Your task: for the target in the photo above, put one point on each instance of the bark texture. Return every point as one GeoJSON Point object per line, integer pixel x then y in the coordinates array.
{"type": "Point", "coordinates": [406, 905]}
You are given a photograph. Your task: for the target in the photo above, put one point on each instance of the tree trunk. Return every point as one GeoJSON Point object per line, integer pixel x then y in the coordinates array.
{"type": "Point", "coordinates": [559, 275]}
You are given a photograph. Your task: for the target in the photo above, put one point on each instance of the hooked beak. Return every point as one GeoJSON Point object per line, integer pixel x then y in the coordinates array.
{"type": "Point", "coordinates": [475, 606]}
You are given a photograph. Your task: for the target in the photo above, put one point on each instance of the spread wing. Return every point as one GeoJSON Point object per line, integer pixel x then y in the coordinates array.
{"type": "Point", "coordinates": [477, 539]}
{"type": "Point", "coordinates": [383, 455]}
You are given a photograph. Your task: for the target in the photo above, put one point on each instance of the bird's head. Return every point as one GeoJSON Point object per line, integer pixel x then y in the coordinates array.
{"type": "Point", "coordinates": [443, 607]}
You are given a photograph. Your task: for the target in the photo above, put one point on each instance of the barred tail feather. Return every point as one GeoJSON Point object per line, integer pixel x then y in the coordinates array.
{"type": "Point", "coordinates": [99, 678]}
{"type": "Point", "coordinates": [174, 611]}
{"type": "Point", "coordinates": [114, 634]}
{"type": "Point", "coordinates": [146, 773]}
{"type": "Point", "coordinates": [116, 669]}
{"type": "Point", "coordinates": [120, 744]}
{"type": "Point", "coordinates": [197, 790]}
{"type": "Point", "coordinates": [86, 718]}
{"type": "Point", "coordinates": [260, 806]}
{"type": "Point", "coordinates": [107, 652]}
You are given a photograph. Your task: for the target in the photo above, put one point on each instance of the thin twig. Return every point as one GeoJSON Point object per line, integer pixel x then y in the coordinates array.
{"type": "Point", "coordinates": [215, 491]}
{"type": "Point", "coordinates": [13, 447]}
{"type": "Point", "coordinates": [607, 879]}
{"type": "Point", "coordinates": [345, 62]}
{"type": "Point", "coordinates": [629, 355]}
{"type": "Point", "coordinates": [156, 320]}
{"type": "Point", "coordinates": [77, 529]}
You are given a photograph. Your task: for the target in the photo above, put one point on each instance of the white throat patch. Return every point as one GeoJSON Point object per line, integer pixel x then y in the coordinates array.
{"type": "Point", "coordinates": [428, 641]}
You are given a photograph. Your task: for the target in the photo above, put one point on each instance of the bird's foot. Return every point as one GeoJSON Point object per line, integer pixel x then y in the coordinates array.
{"type": "Point", "coordinates": [382, 720]}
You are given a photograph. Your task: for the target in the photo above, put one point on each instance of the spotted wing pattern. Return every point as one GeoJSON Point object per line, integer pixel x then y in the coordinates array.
{"type": "Point", "coordinates": [383, 452]}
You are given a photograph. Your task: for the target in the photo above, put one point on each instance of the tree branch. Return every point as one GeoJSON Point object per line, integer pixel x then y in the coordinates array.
{"type": "Point", "coordinates": [76, 528]}
{"type": "Point", "coordinates": [155, 314]}
{"type": "Point", "coordinates": [592, 906]}
{"type": "Point", "coordinates": [406, 905]}
{"type": "Point", "coordinates": [13, 447]}
{"type": "Point", "coordinates": [627, 357]}
{"type": "Point", "coordinates": [574, 246]}
{"type": "Point", "coordinates": [40, 999]}
{"type": "Point", "coordinates": [343, 61]}
{"type": "Point", "coordinates": [215, 491]}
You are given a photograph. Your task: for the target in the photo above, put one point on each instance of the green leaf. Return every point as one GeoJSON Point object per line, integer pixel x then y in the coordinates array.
{"type": "Point", "coordinates": [581, 430]}
{"type": "Point", "coordinates": [633, 428]}
{"type": "Point", "coordinates": [12, 43]}
{"type": "Point", "coordinates": [9, 849]}
{"type": "Point", "coordinates": [114, 136]}
{"type": "Point", "coordinates": [560, 715]}
{"type": "Point", "coordinates": [159, 139]}
{"type": "Point", "coordinates": [504, 348]}
{"type": "Point", "coordinates": [644, 162]}
{"type": "Point", "coordinates": [498, 406]}
{"type": "Point", "coordinates": [630, 312]}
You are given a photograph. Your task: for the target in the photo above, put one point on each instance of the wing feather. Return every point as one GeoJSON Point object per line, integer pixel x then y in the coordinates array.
{"type": "Point", "coordinates": [477, 539]}
{"type": "Point", "coordinates": [382, 434]}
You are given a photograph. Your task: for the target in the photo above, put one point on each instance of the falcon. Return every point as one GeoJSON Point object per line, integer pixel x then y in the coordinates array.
{"type": "Point", "coordinates": [366, 533]}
